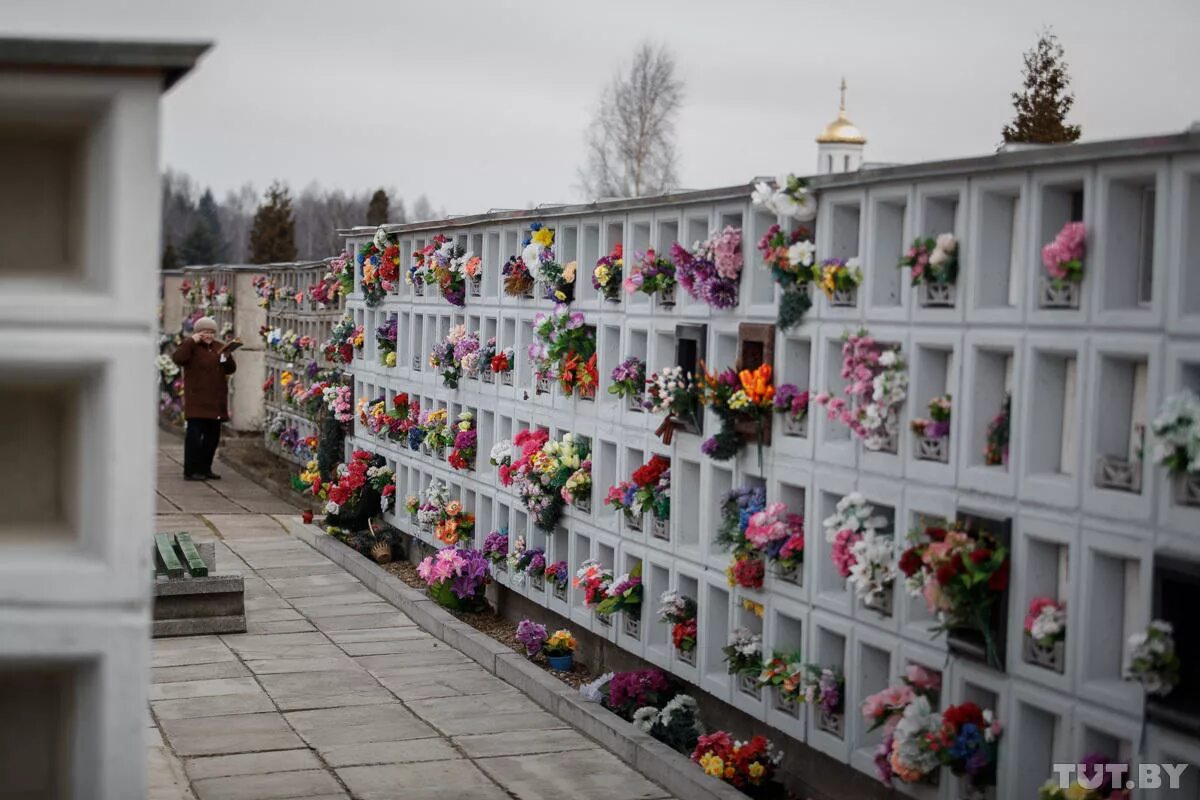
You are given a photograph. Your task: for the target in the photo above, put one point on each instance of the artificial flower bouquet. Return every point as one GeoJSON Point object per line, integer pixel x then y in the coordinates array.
{"type": "Point", "coordinates": [495, 546]}
{"type": "Point", "coordinates": [341, 272]}
{"type": "Point", "coordinates": [456, 354]}
{"type": "Point", "coordinates": [1176, 426]}
{"type": "Point", "coordinates": [626, 692]}
{"type": "Point", "coordinates": [524, 560]}
{"type": "Point", "coordinates": [743, 654]}
{"type": "Point", "coordinates": [876, 386]}
{"type": "Point", "coordinates": [1152, 659]}
{"type": "Point", "coordinates": [558, 644]}
{"type": "Point", "coordinates": [1063, 257]}
{"type": "Point", "coordinates": [961, 574]}
{"type": "Point", "coordinates": [383, 480]}
{"type": "Point", "coordinates": [532, 636]}
{"type": "Point", "coordinates": [436, 427]}
{"type": "Point", "coordinates": [518, 281]}
{"type": "Point", "coordinates": [339, 348]}
{"type": "Point", "coordinates": [543, 471]}
{"type": "Point", "coordinates": [824, 688]}
{"type": "Point", "coordinates": [787, 197]}
{"type": "Point", "coordinates": [711, 271]}
{"type": "Point", "coordinates": [513, 462]}
{"type": "Point", "coordinates": [778, 535]}
{"type": "Point", "coordinates": [1046, 621]}
{"type": "Point", "coordinates": [884, 708]}
{"type": "Point", "coordinates": [784, 672]}
{"type": "Point", "coordinates": [444, 262]}
{"type": "Point", "coordinates": [339, 401]}
{"type": "Point", "coordinates": [792, 404]}
{"type": "Point", "coordinates": [741, 400]}
{"type": "Point", "coordinates": [995, 447]}
{"type": "Point", "coordinates": [675, 393]}
{"type": "Point", "coordinates": [412, 504]}
{"type": "Point", "coordinates": [624, 594]}
{"type": "Point", "coordinates": [466, 442]}
{"type": "Point", "coordinates": [379, 261]}
{"type": "Point", "coordinates": [628, 378]}
{"type": "Point", "coordinates": [679, 612]}
{"type": "Point", "coordinates": [350, 499]}
{"type": "Point", "coordinates": [677, 724]}
{"type": "Point", "coordinates": [433, 503]}
{"type": "Point", "coordinates": [385, 340]}
{"type": "Point", "coordinates": [538, 256]}
{"type": "Point", "coordinates": [564, 349]}
{"type": "Point", "coordinates": [647, 493]}
{"type": "Point", "coordinates": [577, 491]}
{"type": "Point", "coordinates": [264, 289]}
{"type": "Point", "coordinates": [594, 580]}
{"type": "Point", "coordinates": [456, 523]}
{"type": "Point", "coordinates": [499, 361]}
{"type": "Point", "coordinates": [836, 276]}
{"type": "Point", "coordinates": [750, 766]}
{"type": "Point", "coordinates": [558, 575]}
{"type": "Point", "coordinates": [650, 274]}
{"type": "Point", "coordinates": [501, 455]}
{"type": "Point", "coordinates": [737, 507]}
{"type": "Point", "coordinates": [456, 578]}
{"type": "Point", "coordinates": [937, 426]}
{"type": "Point", "coordinates": [790, 257]}
{"type": "Point", "coordinates": [933, 260]}
{"type": "Point", "coordinates": [968, 743]}
{"type": "Point", "coordinates": [859, 552]}
{"type": "Point", "coordinates": [606, 277]}
{"type": "Point", "coordinates": [324, 293]}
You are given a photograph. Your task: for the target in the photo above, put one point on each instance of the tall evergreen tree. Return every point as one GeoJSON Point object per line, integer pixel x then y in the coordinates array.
{"type": "Point", "coordinates": [170, 258]}
{"type": "Point", "coordinates": [1045, 100]}
{"type": "Point", "coordinates": [210, 215]}
{"type": "Point", "coordinates": [377, 211]}
{"type": "Point", "coordinates": [273, 237]}
{"type": "Point", "coordinates": [204, 243]}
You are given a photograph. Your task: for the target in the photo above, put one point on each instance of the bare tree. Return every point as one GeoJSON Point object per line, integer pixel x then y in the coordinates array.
{"type": "Point", "coordinates": [631, 141]}
{"type": "Point", "coordinates": [422, 209]}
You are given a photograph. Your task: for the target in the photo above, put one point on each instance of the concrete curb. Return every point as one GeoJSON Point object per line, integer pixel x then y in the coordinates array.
{"type": "Point", "coordinates": [669, 768]}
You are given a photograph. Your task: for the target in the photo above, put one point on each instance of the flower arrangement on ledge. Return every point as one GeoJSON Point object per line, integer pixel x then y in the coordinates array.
{"type": "Point", "coordinates": [339, 401]}
{"type": "Point", "coordinates": [937, 426]}
{"type": "Point", "coordinates": [1063, 257]}
{"type": "Point", "coordinates": [652, 274]}
{"type": "Point", "coordinates": [548, 474]}
{"type": "Point", "coordinates": [526, 561]}
{"type": "Point", "coordinates": [594, 579]}
{"type": "Point", "coordinates": [675, 393]}
{"type": "Point", "coordinates": [558, 575]}
{"type": "Point", "coordinates": [737, 507]}
{"type": "Point", "coordinates": [787, 197]}
{"type": "Point", "coordinates": [711, 271]}
{"type": "Point", "coordinates": [383, 480]}
{"type": "Point", "coordinates": [736, 397]}
{"type": "Point", "coordinates": [324, 293]}
{"type": "Point", "coordinates": [341, 272]}
{"type": "Point", "coordinates": [1045, 629]}
{"type": "Point", "coordinates": [745, 765]}
{"type": "Point", "coordinates": [606, 277]}
{"type": "Point", "coordinates": [876, 387]}
{"type": "Point", "coordinates": [564, 349]}
{"type": "Point", "coordinates": [790, 258]}
{"type": "Point", "coordinates": [456, 578]}
{"type": "Point", "coordinates": [677, 724]}
{"type": "Point", "coordinates": [743, 654]}
{"type": "Point", "coordinates": [518, 282]}
{"type": "Point", "coordinates": [1176, 427]}
{"type": "Point", "coordinates": [1093, 782]}
{"type": "Point", "coordinates": [444, 262]}
{"type": "Point", "coordinates": [961, 574]}
{"type": "Point", "coordinates": [379, 260]}
{"type": "Point", "coordinates": [499, 361]}
{"type": "Point", "coordinates": [264, 289]}
{"type": "Point", "coordinates": [628, 378]}
{"type": "Point", "coordinates": [862, 555]}
{"type": "Point", "coordinates": [1152, 659]}
{"type": "Point", "coordinates": [995, 446]}
{"type": "Point", "coordinates": [792, 404]}
{"type": "Point", "coordinates": [647, 493]}
{"type": "Point", "coordinates": [435, 426]}
{"type": "Point", "coordinates": [679, 612]}
{"type": "Point", "coordinates": [466, 442]}
{"type": "Point", "coordinates": [456, 354]}
{"type": "Point", "coordinates": [537, 254]}
{"type": "Point", "coordinates": [778, 535]}
{"type": "Point", "coordinates": [495, 546]}
{"type": "Point", "coordinates": [349, 496]}
{"type": "Point", "coordinates": [344, 337]}
{"type": "Point", "coordinates": [623, 594]}
{"type": "Point", "coordinates": [885, 709]}
{"type": "Point", "coordinates": [838, 278]}
{"type": "Point", "coordinates": [933, 260]}
{"type": "Point", "coordinates": [385, 340]}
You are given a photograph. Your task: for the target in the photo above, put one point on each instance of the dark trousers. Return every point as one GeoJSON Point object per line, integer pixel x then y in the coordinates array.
{"type": "Point", "coordinates": [200, 445]}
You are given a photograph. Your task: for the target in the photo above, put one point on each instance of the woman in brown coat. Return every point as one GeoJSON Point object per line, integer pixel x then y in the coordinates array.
{"type": "Point", "coordinates": [205, 396]}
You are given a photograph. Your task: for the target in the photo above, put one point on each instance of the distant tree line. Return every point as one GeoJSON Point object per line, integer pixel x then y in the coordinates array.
{"type": "Point", "coordinates": [246, 227]}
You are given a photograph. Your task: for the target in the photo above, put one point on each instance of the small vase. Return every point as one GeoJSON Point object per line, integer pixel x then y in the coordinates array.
{"type": "Point", "coordinates": [1119, 474]}
{"type": "Point", "coordinates": [476, 284]}
{"type": "Point", "coordinates": [634, 403]}
{"type": "Point", "coordinates": [844, 298]}
{"type": "Point", "coordinates": [1187, 489]}
{"type": "Point", "coordinates": [795, 425]}
{"type": "Point", "coordinates": [749, 685]}
{"type": "Point", "coordinates": [933, 449]}
{"type": "Point", "coordinates": [560, 591]}
{"type": "Point", "coordinates": [666, 296]}
{"type": "Point", "coordinates": [584, 504]}
{"type": "Point", "coordinates": [506, 378]}
{"type": "Point", "coordinates": [1052, 657]}
{"type": "Point", "coordinates": [633, 521]}
{"type": "Point", "coordinates": [1058, 294]}
{"type": "Point", "coordinates": [632, 625]}
{"type": "Point", "coordinates": [561, 663]}
{"type": "Point", "coordinates": [937, 295]}
{"type": "Point", "coordinates": [542, 385]}
{"type": "Point", "coordinates": [661, 529]}
{"type": "Point", "coordinates": [833, 724]}
{"type": "Point", "coordinates": [687, 656]}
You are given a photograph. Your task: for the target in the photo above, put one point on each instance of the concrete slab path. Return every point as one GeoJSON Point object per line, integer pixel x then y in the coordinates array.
{"type": "Point", "coordinates": [334, 693]}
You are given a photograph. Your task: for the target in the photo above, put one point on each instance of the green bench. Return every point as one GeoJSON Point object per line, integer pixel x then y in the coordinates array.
{"type": "Point", "coordinates": [189, 600]}
{"type": "Point", "coordinates": [173, 550]}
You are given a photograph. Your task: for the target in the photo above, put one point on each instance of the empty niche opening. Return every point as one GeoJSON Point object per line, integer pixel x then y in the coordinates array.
{"type": "Point", "coordinates": [1121, 423]}
{"type": "Point", "coordinates": [489, 329]}
{"type": "Point", "coordinates": [727, 351]}
{"type": "Point", "coordinates": [520, 524]}
{"type": "Point", "coordinates": [888, 247]}
{"type": "Point", "coordinates": [1052, 440]}
{"type": "Point", "coordinates": [511, 246]}
{"type": "Point", "coordinates": [45, 426]}
{"type": "Point", "coordinates": [835, 384]}
{"type": "Point", "coordinates": [874, 672]}
{"type": "Point", "coordinates": [526, 365]}
{"type": "Point", "coordinates": [38, 751]}
{"type": "Point", "coordinates": [46, 167]}
{"type": "Point", "coordinates": [683, 503]}
{"type": "Point", "coordinates": [509, 339]}
{"type": "Point", "coordinates": [486, 434]}
{"type": "Point", "coordinates": [668, 234]}
{"type": "Point", "coordinates": [660, 581]}
{"type": "Point", "coordinates": [664, 350]}
{"type": "Point", "coordinates": [697, 231]}
{"type": "Point", "coordinates": [614, 235]}
{"type": "Point", "coordinates": [589, 254]}
{"type": "Point", "coordinates": [606, 554]}
{"type": "Point", "coordinates": [830, 649]}
{"type": "Point", "coordinates": [641, 239]}
{"type": "Point", "coordinates": [722, 484]}
{"type": "Point", "coordinates": [495, 262]}
{"type": "Point", "coordinates": [844, 233]}
{"type": "Point", "coordinates": [607, 469]}
{"type": "Point", "coordinates": [941, 212]}
{"type": "Point", "coordinates": [1176, 582]}
{"type": "Point", "coordinates": [1113, 581]}
{"type": "Point", "coordinates": [829, 581]}
{"type": "Point", "coordinates": [610, 345]}
{"type": "Point", "coordinates": [568, 240]}
{"type": "Point", "coordinates": [1191, 247]}
{"type": "Point", "coordinates": [583, 552]}
{"type": "Point", "coordinates": [788, 634]}
{"type": "Point", "coordinates": [1129, 243]}
{"type": "Point", "coordinates": [716, 632]}
{"type": "Point", "coordinates": [1001, 249]}
{"type": "Point", "coordinates": [992, 411]}
{"type": "Point", "coordinates": [558, 551]}
{"type": "Point", "coordinates": [797, 362]}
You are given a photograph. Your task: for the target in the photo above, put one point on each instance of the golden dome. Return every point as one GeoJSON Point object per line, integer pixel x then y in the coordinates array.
{"type": "Point", "coordinates": [841, 130]}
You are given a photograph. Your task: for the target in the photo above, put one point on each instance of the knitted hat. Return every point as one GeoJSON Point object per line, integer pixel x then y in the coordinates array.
{"type": "Point", "coordinates": [205, 324]}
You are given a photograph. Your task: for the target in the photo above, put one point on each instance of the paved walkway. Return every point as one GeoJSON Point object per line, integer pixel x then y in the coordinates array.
{"type": "Point", "coordinates": [334, 693]}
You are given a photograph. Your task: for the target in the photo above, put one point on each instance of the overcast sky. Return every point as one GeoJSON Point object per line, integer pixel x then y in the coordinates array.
{"type": "Point", "coordinates": [483, 103]}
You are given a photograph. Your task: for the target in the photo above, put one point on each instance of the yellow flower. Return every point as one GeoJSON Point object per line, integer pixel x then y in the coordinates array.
{"type": "Point", "coordinates": [560, 295]}
{"type": "Point", "coordinates": [756, 770]}
{"type": "Point", "coordinates": [750, 605]}
{"type": "Point", "coordinates": [1076, 792]}
{"type": "Point", "coordinates": [729, 575]}
{"type": "Point", "coordinates": [390, 359]}
{"type": "Point", "coordinates": [712, 764]}
{"type": "Point", "coordinates": [729, 772]}
{"type": "Point", "coordinates": [738, 400]}
{"type": "Point", "coordinates": [285, 378]}
{"type": "Point", "coordinates": [544, 237]}
{"type": "Point", "coordinates": [602, 273]}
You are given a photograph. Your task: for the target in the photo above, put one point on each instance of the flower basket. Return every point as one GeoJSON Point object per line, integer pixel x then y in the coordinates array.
{"type": "Point", "coordinates": [633, 521]}
{"type": "Point", "coordinates": [584, 504]}
{"type": "Point", "coordinates": [632, 626]}
{"type": "Point", "coordinates": [561, 663]}
{"type": "Point", "coordinates": [747, 683]}
{"type": "Point", "coordinates": [938, 295]}
{"type": "Point", "coordinates": [418, 289]}
{"type": "Point", "coordinates": [834, 724]}
{"type": "Point", "coordinates": [788, 574]}
{"type": "Point", "coordinates": [506, 378]}
{"type": "Point", "coordinates": [687, 656]}
{"type": "Point", "coordinates": [605, 620]}
{"type": "Point", "coordinates": [933, 449]}
{"type": "Point", "coordinates": [1187, 489]}
{"type": "Point", "coordinates": [1058, 294]}
{"type": "Point", "coordinates": [559, 590]}
{"type": "Point", "coordinates": [665, 298]}
{"type": "Point", "coordinates": [661, 529]}
{"type": "Point", "coordinates": [416, 363]}
{"type": "Point", "coordinates": [634, 403]}
{"type": "Point", "coordinates": [1119, 474]}
{"type": "Point", "coordinates": [381, 552]}
{"type": "Point", "coordinates": [881, 602]}
{"type": "Point", "coordinates": [475, 284]}
{"type": "Point", "coordinates": [542, 385]}
{"type": "Point", "coordinates": [795, 425]}
{"type": "Point", "coordinates": [844, 298]}
{"type": "Point", "coordinates": [786, 705]}
{"type": "Point", "coordinates": [537, 583]}
{"type": "Point", "coordinates": [1051, 658]}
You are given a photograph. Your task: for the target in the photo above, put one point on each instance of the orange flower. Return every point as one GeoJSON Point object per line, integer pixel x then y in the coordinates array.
{"type": "Point", "coordinates": [757, 385]}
